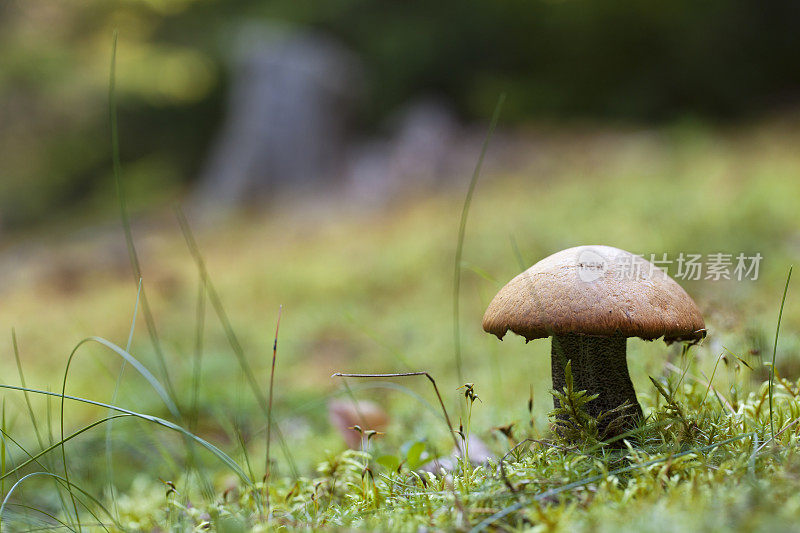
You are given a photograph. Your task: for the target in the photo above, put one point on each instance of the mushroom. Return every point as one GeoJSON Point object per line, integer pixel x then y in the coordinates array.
{"type": "Point", "coordinates": [590, 299]}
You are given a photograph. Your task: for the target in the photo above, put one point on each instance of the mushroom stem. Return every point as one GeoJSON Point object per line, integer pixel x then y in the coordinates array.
{"type": "Point", "coordinates": [599, 367]}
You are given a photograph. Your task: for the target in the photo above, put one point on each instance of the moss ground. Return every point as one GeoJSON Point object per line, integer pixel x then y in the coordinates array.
{"type": "Point", "coordinates": [368, 290]}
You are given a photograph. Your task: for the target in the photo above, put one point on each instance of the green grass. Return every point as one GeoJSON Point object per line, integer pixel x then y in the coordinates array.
{"type": "Point", "coordinates": [372, 293]}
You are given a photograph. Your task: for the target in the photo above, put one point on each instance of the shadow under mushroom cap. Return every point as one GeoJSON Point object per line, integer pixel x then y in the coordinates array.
{"type": "Point", "coordinates": [594, 290]}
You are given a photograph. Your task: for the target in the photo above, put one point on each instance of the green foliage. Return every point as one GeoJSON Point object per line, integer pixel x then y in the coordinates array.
{"type": "Point", "coordinates": [571, 420]}
{"type": "Point", "coordinates": [743, 478]}
{"type": "Point", "coordinates": [412, 456]}
{"type": "Point", "coordinates": [682, 428]}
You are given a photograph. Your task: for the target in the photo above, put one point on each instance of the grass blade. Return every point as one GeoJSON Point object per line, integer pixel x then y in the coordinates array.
{"type": "Point", "coordinates": [461, 231]}
{"type": "Point", "coordinates": [593, 479]}
{"type": "Point", "coordinates": [44, 451]}
{"type": "Point", "coordinates": [70, 486]}
{"type": "Point", "coordinates": [197, 361]}
{"type": "Point", "coordinates": [775, 350]}
{"type": "Point", "coordinates": [31, 413]}
{"type": "Point", "coordinates": [267, 469]}
{"type": "Point", "coordinates": [126, 223]}
{"type": "Point", "coordinates": [233, 340]}
{"type": "Point", "coordinates": [22, 382]}
{"type": "Point", "coordinates": [154, 383]}
{"type": "Point", "coordinates": [109, 447]}
{"type": "Point", "coordinates": [139, 367]}
{"type": "Point", "coordinates": [222, 456]}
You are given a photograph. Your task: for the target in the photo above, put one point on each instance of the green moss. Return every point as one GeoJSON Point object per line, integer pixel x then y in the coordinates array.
{"type": "Point", "coordinates": [371, 293]}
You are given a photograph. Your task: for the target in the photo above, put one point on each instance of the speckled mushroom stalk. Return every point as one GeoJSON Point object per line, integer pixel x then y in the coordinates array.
{"type": "Point", "coordinates": [590, 299]}
{"type": "Point", "coordinates": [599, 366]}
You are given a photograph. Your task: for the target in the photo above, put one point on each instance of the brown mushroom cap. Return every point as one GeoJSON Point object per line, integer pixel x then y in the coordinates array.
{"type": "Point", "coordinates": [594, 290]}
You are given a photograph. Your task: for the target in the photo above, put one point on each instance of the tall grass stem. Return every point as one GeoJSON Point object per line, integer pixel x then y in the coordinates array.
{"type": "Point", "coordinates": [126, 223]}
{"type": "Point", "coordinates": [775, 351]}
{"type": "Point", "coordinates": [268, 469]}
{"type": "Point", "coordinates": [109, 426]}
{"type": "Point", "coordinates": [230, 334]}
{"type": "Point", "coordinates": [462, 227]}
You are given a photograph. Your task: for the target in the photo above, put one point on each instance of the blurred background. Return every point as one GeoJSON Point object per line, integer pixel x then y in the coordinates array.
{"type": "Point", "coordinates": [221, 97]}
{"type": "Point", "coordinates": [322, 152]}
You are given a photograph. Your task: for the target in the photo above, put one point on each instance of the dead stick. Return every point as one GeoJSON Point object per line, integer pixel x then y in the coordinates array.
{"type": "Point", "coordinates": [409, 374]}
